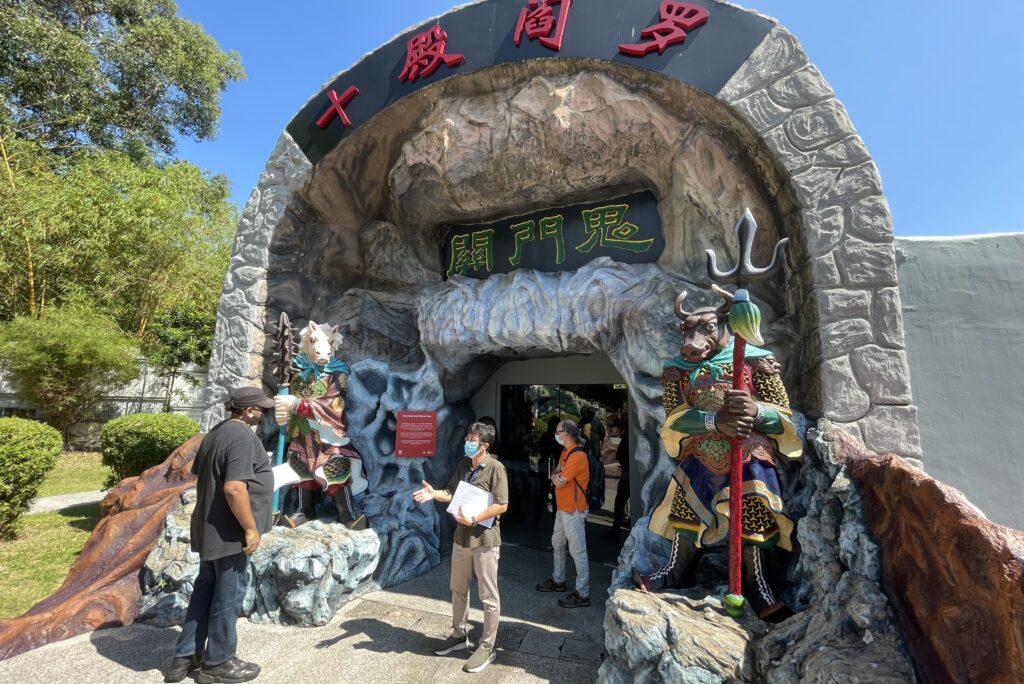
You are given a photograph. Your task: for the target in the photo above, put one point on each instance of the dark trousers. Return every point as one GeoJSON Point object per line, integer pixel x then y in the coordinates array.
{"type": "Point", "coordinates": [209, 628]}
{"type": "Point", "coordinates": [621, 497]}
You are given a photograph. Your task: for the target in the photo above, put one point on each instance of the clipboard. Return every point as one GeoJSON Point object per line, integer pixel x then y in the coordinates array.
{"type": "Point", "coordinates": [473, 501]}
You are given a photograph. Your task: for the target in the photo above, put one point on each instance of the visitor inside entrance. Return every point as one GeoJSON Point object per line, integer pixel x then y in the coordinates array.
{"type": "Point", "coordinates": [528, 417]}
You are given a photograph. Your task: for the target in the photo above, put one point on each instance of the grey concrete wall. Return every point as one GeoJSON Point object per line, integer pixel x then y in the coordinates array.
{"type": "Point", "coordinates": [145, 394]}
{"type": "Point", "coordinates": [963, 317]}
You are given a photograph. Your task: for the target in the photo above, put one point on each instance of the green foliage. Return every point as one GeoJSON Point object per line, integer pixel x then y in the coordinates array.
{"type": "Point", "coordinates": [131, 444]}
{"type": "Point", "coordinates": [117, 74]}
{"type": "Point", "coordinates": [135, 241]}
{"type": "Point", "coordinates": [180, 337]}
{"type": "Point", "coordinates": [64, 363]}
{"type": "Point", "coordinates": [28, 450]}
{"type": "Point", "coordinates": [35, 564]}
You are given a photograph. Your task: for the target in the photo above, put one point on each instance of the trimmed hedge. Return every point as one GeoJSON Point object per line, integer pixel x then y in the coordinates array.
{"type": "Point", "coordinates": [132, 444]}
{"type": "Point", "coordinates": [28, 451]}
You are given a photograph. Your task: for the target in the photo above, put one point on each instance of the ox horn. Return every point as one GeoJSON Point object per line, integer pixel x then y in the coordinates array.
{"type": "Point", "coordinates": [683, 315]}
{"type": "Point", "coordinates": [724, 294]}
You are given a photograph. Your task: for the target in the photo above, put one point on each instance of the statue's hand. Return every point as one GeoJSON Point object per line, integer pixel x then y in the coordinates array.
{"type": "Point", "coordinates": [730, 425]}
{"type": "Point", "coordinates": [739, 403]}
{"type": "Point", "coordinates": [284, 407]}
{"type": "Point", "coordinates": [736, 419]}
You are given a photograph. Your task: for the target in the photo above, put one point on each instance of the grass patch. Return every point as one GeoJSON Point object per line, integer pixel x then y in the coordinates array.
{"type": "Point", "coordinates": [75, 472]}
{"type": "Point", "coordinates": [34, 565]}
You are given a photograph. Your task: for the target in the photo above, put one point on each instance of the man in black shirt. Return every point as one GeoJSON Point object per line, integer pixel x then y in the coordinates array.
{"type": "Point", "coordinates": [233, 501]}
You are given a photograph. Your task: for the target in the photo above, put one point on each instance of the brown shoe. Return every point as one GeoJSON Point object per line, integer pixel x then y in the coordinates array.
{"type": "Point", "coordinates": [551, 585]}
{"type": "Point", "coordinates": [574, 600]}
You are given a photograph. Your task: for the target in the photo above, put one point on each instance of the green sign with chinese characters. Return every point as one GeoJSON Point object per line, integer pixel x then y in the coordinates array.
{"type": "Point", "coordinates": [627, 229]}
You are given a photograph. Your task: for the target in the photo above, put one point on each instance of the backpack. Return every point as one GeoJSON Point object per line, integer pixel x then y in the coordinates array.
{"type": "Point", "coordinates": [595, 487]}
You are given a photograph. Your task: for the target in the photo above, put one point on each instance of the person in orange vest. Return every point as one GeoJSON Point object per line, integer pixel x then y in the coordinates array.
{"type": "Point", "coordinates": [570, 480]}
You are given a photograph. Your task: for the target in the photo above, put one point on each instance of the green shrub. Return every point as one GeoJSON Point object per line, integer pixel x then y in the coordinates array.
{"type": "Point", "coordinates": [132, 444]}
{"type": "Point", "coordinates": [65, 362]}
{"type": "Point", "coordinates": [28, 451]}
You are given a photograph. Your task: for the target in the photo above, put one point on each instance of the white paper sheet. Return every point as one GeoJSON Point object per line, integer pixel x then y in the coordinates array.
{"type": "Point", "coordinates": [473, 501]}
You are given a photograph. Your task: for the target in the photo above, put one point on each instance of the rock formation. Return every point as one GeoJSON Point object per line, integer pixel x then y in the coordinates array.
{"type": "Point", "coordinates": [955, 578]}
{"type": "Point", "coordinates": [845, 631]}
{"type": "Point", "coordinates": [953, 584]}
{"type": "Point", "coordinates": [297, 576]}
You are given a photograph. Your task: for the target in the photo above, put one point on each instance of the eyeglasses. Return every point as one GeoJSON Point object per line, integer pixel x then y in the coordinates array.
{"type": "Point", "coordinates": [562, 431]}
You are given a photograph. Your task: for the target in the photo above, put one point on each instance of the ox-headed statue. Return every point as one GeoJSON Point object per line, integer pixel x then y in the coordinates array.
{"type": "Point", "coordinates": [703, 413]}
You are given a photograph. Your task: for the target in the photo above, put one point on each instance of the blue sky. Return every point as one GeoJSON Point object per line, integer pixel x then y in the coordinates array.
{"type": "Point", "coordinates": [933, 88]}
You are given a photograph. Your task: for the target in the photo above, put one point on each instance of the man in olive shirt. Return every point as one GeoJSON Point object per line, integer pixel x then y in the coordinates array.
{"type": "Point", "coordinates": [476, 548]}
{"type": "Point", "coordinates": [234, 489]}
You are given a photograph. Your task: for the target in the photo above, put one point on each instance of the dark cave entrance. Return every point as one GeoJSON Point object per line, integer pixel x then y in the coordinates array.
{"type": "Point", "coordinates": [526, 399]}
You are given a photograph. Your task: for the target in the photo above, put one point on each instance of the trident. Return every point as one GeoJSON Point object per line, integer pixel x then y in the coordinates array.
{"type": "Point", "coordinates": [743, 273]}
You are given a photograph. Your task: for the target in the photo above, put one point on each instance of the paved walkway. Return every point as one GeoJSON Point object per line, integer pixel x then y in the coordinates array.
{"type": "Point", "coordinates": [55, 503]}
{"type": "Point", "coordinates": [383, 636]}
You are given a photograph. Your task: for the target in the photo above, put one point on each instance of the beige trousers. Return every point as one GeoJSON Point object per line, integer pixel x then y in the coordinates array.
{"type": "Point", "coordinates": [483, 560]}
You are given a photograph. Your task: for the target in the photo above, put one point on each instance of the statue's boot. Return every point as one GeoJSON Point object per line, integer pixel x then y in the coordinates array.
{"type": "Point", "coordinates": [343, 502]}
{"type": "Point", "coordinates": [307, 508]}
{"type": "Point", "coordinates": [757, 589]}
{"type": "Point", "coordinates": [679, 573]}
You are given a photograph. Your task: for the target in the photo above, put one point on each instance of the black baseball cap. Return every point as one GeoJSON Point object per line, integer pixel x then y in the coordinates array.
{"type": "Point", "coordinates": [243, 397]}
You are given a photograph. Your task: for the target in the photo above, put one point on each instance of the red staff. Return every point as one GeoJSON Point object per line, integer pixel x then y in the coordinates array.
{"type": "Point", "coordinates": [745, 321]}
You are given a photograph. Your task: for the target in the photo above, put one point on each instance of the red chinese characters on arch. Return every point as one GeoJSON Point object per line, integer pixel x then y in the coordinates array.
{"type": "Point", "coordinates": [336, 108]}
{"type": "Point", "coordinates": [539, 21]}
{"type": "Point", "coordinates": [676, 19]}
{"type": "Point", "coordinates": [425, 52]}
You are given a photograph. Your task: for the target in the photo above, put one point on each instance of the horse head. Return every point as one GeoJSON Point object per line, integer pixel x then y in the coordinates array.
{"type": "Point", "coordinates": [318, 341]}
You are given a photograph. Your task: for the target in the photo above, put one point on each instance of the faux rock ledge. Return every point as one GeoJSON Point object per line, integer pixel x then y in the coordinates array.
{"type": "Point", "coordinates": [297, 576]}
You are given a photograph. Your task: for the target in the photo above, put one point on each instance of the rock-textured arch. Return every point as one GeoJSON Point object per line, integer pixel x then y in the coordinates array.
{"type": "Point", "coordinates": [353, 240]}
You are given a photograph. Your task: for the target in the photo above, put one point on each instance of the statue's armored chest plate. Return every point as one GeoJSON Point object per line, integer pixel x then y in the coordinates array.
{"type": "Point", "coordinates": [309, 389]}
{"type": "Point", "coordinates": [706, 391]}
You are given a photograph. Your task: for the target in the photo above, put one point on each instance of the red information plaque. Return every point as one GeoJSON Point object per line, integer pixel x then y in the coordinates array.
{"type": "Point", "coordinates": [416, 435]}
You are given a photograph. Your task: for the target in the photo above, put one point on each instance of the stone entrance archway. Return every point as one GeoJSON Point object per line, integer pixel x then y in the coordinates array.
{"type": "Point", "coordinates": [354, 239]}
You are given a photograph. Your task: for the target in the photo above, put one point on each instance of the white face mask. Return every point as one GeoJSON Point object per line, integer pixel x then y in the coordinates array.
{"type": "Point", "coordinates": [560, 440]}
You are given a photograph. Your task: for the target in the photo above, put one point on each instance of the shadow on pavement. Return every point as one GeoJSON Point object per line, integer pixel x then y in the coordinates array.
{"type": "Point", "coordinates": [137, 647]}
{"type": "Point", "coordinates": [382, 637]}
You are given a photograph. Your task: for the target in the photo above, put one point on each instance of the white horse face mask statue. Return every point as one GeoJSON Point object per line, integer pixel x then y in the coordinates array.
{"type": "Point", "coordinates": [318, 342]}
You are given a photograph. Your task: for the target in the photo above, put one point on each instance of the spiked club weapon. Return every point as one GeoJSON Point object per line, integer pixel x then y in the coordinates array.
{"type": "Point", "coordinates": [283, 370]}
{"type": "Point", "coordinates": [745, 321]}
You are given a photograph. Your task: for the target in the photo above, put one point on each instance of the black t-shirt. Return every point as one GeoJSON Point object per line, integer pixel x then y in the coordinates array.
{"type": "Point", "coordinates": [230, 451]}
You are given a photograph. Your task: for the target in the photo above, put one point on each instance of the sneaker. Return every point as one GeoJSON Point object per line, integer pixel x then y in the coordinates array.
{"type": "Point", "coordinates": [452, 644]}
{"type": "Point", "coordinates": [181, 666]}
{"type": "Point", "coordinates": [551, 585]}
{"type": "Point", "coordinates": [230, 671]}
{"type": "Point", "coordinates": [574, 600]}
{"type": "Point", "coordinates": [480, 659]}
